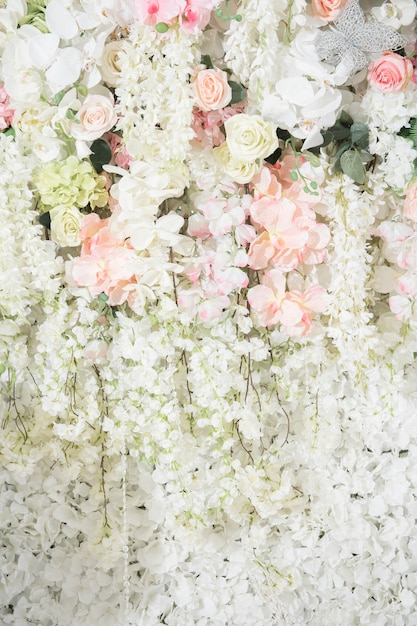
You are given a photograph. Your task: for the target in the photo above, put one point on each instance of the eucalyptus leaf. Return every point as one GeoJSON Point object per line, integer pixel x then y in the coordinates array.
{"type": "Point", "coordinates": [238, 92]}
{"type": "Point", "coordinates": [351, 164]}
{"type": "Point", "coordinates": [340, 132]}
{"type": "Point", "coordinates": [345, 119]}
{"type": "Point", "coordinates": [346, 145]}
{"type": "Point", "coordinates": [101, 154]}
{"type": "Point", "coordinates": [360, 134]}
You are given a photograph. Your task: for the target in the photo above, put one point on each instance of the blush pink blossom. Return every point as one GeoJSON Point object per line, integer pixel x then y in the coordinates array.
{"type": "Point", "coordinates": [196, 15]}
{"type": "Point", "coordinates": [266, 299]}
{"type": "Point", "coordinates": [291, 310]}
{"type": "Point", "coordinates": [152, 12]}
{"type": "Point", "coordinates": [282, 240]}
{"type": "Point", "coordinates": [6, 114]}
{"type": "Point", "coordinates": [106, 264]}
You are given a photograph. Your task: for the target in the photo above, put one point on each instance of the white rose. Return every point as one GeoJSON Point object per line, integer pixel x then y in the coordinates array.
{"type": "Point", "coordinates": [110, 62]}
{"type": "Point", "coordinates": [250, 137]}
{"type": "Point", "coordinates": [65, 226]}
{"type": "Point", "coordinates": [241, 171]}
{"type": "Point", "coordinates": [95, 117]}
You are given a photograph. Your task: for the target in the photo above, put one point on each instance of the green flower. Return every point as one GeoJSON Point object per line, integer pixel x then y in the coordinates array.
{"type": "Point", "coordinates": [70, 183]}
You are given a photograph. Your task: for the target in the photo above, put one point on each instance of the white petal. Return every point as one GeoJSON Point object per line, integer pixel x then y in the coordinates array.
{"type": "Point", "coordinates": [65, 70]}
{"type": "Point", "coordinates": [42, 50]}
{"type": "Point", "coordinates": [60, 21]}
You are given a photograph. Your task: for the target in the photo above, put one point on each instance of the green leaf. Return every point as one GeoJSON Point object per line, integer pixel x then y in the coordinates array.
{"type": "Point", "coordinates": [238, 92]}
{"type": "Point", "coordinates": [103, 297]}
{"type": "Point", "coordinates": [360, 134]}
{"type": "Point", "coordinates": [10, 132]}
{"type": "Point", "coordinates": [206, 60]}
{"type": "Point", "coordinates": [101, 154]}
{"type": "Point", "coordinates": [345, 119]}
{"type": "Point", "coordinates": [58, 97]}
{"type": "Point", "coordinates": [45, 219]}
{"type": "Point", "coordinates": [2, 369]}
{"type": "Point", "coordinates": [340, 132]}
{"type": "Point", "coordinates": [161, 27]}
{"type": "Point", "coordinates": [351, 164]}
{"type": "Point", "coordinates": [346, 145]}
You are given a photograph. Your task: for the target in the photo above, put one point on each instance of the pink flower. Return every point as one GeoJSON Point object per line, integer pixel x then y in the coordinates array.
{"type": "Point", "coordinates": [298, 308]}
{"type": "Point", "coordinates": [410, 203]}
{"type": "Point", "coordinates": [211, 89]}
{"type": "Point", "coordinates": [196, 15]}
{"type": "Point", "coordinates": [327, 9]}
{"type": "Point", "coordinates": [121, 157]}
{"type": "Point", "coordinates": [390, 72]}
{"type": "Point", "coordinates": [106, 264]}
{"type": "Point", "coordinates": [266, 299]}
{"type": "Point", "coordinates": [6, 114]}
{"type": "Point", "coordinates": [282, 240]}
{"type": "Point", "coordinates": [152, 12]}
{"type": "Point", "coordinates": [291, 310]}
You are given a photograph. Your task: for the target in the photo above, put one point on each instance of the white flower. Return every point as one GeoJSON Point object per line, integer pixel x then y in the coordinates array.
{"type": "Point", "coordinates": [65, 226]}
{"type": "Point", "coordinates": [96, 116]}
{"type": "Point", "coordinates": [110, 61]}
{"type": "Point", "coordinates": [241, 171]}
{"type": "Point", "coordinates": [250, 137]}
{"type": "Point", "coordinates": [395, 13]}
{"type": "Point", "coordinates": [303, 107]}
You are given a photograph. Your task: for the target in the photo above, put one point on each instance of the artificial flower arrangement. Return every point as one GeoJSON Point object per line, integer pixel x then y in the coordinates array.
{"type": "Point", "coordinates": [208, 309]}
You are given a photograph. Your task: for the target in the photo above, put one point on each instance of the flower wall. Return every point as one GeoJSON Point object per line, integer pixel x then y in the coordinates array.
{"type": "Point", "coordinates": [208, 312]}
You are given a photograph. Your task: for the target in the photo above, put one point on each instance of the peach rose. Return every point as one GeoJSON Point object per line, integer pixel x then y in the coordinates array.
{"type": "Point", "coordinates": [211, 89]}
{"type": "Point", "coordinates": [327, 9]}
{"type": "Point", "coordinates": [390, 72]}
{"type": "Point", "coordinates": [95, 117]}
{"type": "Point", "coordinates": [410, 203]}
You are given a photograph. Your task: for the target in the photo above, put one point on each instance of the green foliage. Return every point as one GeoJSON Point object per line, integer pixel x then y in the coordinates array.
{"type": "Point", "coordinates": [100, 154]}
{"type": "Point", "coordinates": [206, 60]}
{"type": "Point", "coordinates": [238, 92]}
{"type": "Point", "coordinates": [350, 147]}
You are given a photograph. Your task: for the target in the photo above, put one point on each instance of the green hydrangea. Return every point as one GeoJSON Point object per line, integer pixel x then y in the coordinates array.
{"type": "Point", "coordinates": [70, 183]}
{"type": "Point", "coordinates": [35, 15]}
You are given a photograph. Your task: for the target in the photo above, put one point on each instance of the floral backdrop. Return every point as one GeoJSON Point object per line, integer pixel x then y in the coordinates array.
{"type": "Point", "coordinates": [208, 292]}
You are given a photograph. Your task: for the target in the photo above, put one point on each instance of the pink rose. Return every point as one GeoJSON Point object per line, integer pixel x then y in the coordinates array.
{"type": "Point", "coordinates": [390, 72]}
{"type": "Point", "coordinates": [95, 117]}
{"type": "Point", "coordinates": [211, 89]}
{"type": "Point", "coordinates": [327, 9]}
{"type": "Point", "coordinates": [410, 203]}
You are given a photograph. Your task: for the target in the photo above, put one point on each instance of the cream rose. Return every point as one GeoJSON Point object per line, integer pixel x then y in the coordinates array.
{"type": "Point", "coordinates": [327, 9]}
{"type": "Point", "coordinates": [390, 72]}
{"type": "Point", "coordinates": [250, 137]}
{"type": "Point", "coordinates": [65, 226]}
{"type": "Point", "coordinates": [241, 171]}
{"type": "Point", "coordinates": [211, 89]}
{"type": "Point", "coordinates": [95, 117]}
{"type": "Point", "coordinates": [410, 203]}
{"type": "Point", "coordinates": [110, 62]}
